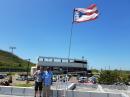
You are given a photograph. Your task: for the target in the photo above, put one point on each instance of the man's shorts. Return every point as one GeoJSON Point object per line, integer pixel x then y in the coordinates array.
{"type": "Point", "coordinates": [46, 89]}
{"type": "Point", "coordinates": [38, 86]}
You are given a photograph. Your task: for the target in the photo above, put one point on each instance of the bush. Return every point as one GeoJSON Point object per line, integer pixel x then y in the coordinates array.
{"type": "Point", "coordinates": [111, 77]}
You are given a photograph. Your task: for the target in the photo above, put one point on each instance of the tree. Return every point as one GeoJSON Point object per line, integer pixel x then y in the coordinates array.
{"type": "Point", "coordinates": [111, 77]}
{"type": "Point", "coordinates": [108, 77]}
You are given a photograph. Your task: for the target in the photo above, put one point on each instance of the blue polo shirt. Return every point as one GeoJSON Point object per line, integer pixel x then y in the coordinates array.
{"type": "Point", "coordinates": [47, 78]}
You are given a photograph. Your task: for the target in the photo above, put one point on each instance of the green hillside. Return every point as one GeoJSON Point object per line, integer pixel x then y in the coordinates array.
{"type": "Point", "coordinates": [11, 62]}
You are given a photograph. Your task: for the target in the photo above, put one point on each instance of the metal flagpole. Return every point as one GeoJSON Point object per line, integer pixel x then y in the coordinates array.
{"type": "Point", "coordinates": [70, 40]}
{"type": "Point", "coordinates": [71, 33]}
{"type": "Point", "coordinates": [69, 52]}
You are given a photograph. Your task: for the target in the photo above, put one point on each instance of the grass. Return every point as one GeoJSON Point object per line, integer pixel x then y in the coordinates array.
{"type": "Point", "coordinates": [24, 85]}
{"type": "Point", "coordinates": [11, 73]}
{"type": "Point", "coordinates": [12, 62]}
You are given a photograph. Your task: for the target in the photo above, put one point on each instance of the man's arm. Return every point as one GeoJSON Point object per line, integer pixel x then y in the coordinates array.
{"type": "Point", "coordinates": [51, 78]}
{"type": "Point", "coordinates": [43, 76]}
{"type": "Point", "coordinates": [34, 74]}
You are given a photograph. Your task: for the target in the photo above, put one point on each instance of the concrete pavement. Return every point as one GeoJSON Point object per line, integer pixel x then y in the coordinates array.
{"type": "Point", "coordinates": [13, 96]}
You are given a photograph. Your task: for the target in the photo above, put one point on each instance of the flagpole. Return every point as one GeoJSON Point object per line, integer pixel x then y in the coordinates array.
{"type": "Point", "coordinates": [69, 52]}
{"type": "Point", "coordinates": [71, 33]}
{"type": "Point", "coordinates": [70, 40]}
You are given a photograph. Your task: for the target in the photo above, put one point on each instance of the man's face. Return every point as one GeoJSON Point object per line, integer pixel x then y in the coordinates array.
{"type": "Point", "coordinates": [45, 68]}
{"type": "Point", "coordinates": [41, 68]}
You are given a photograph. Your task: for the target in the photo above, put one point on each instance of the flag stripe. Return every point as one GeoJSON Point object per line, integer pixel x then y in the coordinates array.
{"type": "Point", "coordinates": [90, 13]}
{"type": "Point", "coordinates": [85, 10]}
{"type": "Point", "coordinates": [87, 18]}
{"type": "Point", "coordinates": [91, 6]}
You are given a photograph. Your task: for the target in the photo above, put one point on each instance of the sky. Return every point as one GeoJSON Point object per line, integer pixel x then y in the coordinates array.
{"type": "Point", "coordinates": [42, 28]}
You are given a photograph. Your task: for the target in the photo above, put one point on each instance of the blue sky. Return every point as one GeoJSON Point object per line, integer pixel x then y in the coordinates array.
{"type": "Point", "coordinates": [42, 28]}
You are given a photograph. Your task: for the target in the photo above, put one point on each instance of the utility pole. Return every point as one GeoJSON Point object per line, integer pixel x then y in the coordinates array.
{"type": "Point", "coordinates": [84, 72]}
{"type": "Point", "coordinates": [28, 61]}
{"type": "Point", "coordinates": [83, 60]}
{"type": "Point", "coordinates": [12, 49]}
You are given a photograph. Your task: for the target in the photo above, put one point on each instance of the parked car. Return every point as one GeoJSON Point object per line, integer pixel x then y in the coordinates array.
{"type": "Point", "coordinates": [1, 76]}
{"type": "Point", "coordinates": [54, 78]}
{"type": "Point", "coordinates": [30, 78]}
{"type": "Point", "coordinates": [20, 78]}
{"type": "Point", "coordinates": [82, 79]}
{"type": "Point", "coordinates": [93, 79]}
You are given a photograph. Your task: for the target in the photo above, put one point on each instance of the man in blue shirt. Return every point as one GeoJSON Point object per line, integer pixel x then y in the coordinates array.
{"type": "Point", "coordinates": [47, 82]}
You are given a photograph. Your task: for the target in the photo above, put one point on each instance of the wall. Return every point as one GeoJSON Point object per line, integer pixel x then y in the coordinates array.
{"type": "Point", "coordinates": [8, 90]}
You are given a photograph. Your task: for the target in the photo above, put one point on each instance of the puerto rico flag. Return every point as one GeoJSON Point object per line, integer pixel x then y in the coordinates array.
{"type": "Point", "coordinates": [85, 14]}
